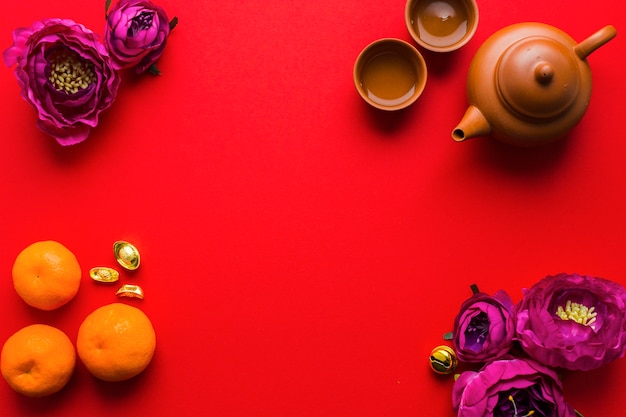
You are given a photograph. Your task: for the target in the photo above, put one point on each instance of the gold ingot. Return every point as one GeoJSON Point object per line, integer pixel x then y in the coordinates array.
{"type": "Point", "coordinates": [129, 290]}
{"type": "Point", "coordinates": [126, 255]}
{"type": "Point", "coordinates": [104, 274]}
{"type": "Point", "coordinates": [443, 360]}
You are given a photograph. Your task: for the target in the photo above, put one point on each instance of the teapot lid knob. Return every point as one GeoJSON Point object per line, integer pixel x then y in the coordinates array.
{"type": "Point", "coordinates": [544, 72]}
{"type": "Point", "coordinates": [538, 77]}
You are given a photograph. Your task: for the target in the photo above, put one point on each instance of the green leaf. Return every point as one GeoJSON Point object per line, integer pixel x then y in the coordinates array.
{"type": "Point", "coordinates": [474, 289]}
{"type": "Point", "coordinates": [106, 8]}
{"type": "Point", "coordinates": [173, 23]}
{"type": "Point", "coordinates": [448, 336]}
{"type": "Point", "coordinates": [578, 413]}
{"type": "Point", "coordinates": [154, 70]}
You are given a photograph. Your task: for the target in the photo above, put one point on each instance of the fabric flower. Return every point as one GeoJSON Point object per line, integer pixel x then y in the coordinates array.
{"type": "Point", "coordinates": [136, 33]}
{"type": "Point", "coordinates": [65, 73]}
{"type": "Point", "coordinates": [510, 387]}
{"type": "Point", "coordinates": [484, 328]}
{"type": "Point", "coordinates": [572, 321]}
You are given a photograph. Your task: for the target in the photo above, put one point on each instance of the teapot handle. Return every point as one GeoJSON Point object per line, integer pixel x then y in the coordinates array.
{"type": "Point", "coordinates": [593, 42]}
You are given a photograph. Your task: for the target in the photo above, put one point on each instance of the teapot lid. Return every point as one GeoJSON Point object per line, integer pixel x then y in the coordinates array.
{"type": "Point", "coordinates": [538, 77]}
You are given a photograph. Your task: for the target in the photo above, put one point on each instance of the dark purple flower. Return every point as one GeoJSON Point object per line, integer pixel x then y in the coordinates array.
{"type": "Point", "coordinates": [136, 33]}
{"type": "Point", "coordinates": [510, 387]}
{"type": "Point", "coordinates": [65, 73]}
{"type": "Point", "coordinates": [572, 321]}
{"type": "Point", "coordinates": [484, 328]}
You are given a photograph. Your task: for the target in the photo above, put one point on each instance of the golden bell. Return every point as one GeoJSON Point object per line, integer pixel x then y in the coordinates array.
{"type": "Point", "coordinates": [443, 360]}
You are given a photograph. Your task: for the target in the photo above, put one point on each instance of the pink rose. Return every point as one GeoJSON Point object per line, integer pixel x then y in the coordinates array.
{"type": "Point", "coordinates": [510, 387]}
{"type": "Point", "coordinates": [572, 321]}
{"type": "Point", "coordinates": [65, 73]}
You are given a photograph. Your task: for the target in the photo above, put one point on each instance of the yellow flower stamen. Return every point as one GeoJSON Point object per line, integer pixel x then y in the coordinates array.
{"type": "Point", "coordinates": [528, 414]}
{"type": "Point", "coordinates": [579, 313]}
{"type": "Point", "coordinates": [69, 72]}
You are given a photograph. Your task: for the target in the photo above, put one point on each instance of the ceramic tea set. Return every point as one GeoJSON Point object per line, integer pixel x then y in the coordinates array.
{"type": "Point", "coordinates": [528, 84]}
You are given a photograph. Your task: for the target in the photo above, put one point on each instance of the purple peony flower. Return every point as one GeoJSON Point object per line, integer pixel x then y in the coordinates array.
{"type": "Point", "coordinates": [136, 33]}
{"type": "Point", "coordinates": [65, 73]}
{"type": "Point", "coordinates": [572, 321]}
{"type": "Point", "coordinates": [510, 387]}
{"type": "Point", "coordinates": [484, 328]}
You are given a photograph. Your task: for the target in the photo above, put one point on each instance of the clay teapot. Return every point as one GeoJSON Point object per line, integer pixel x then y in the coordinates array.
{"type": "Point", "coordinates": [529, 84]}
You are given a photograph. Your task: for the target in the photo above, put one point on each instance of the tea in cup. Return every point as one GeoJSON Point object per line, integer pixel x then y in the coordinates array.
{"type": "Point", "coordinates": [441, 25]}
{"type": "Point", "coordinates": [390, 74]}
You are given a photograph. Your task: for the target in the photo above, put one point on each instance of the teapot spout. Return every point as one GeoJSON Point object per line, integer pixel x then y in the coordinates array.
{"type": "Point", "coordinates": [595, 41]}
{"type": "Point", "coordinates": [473, 124]}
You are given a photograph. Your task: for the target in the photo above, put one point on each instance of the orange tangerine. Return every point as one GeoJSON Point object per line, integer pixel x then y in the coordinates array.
{"type": "Point", "coordinates": [46, 275]}
{"type": "Point", "coordinates": [37, 360]}
{"type": "Point", "coordinates": [116, 342]}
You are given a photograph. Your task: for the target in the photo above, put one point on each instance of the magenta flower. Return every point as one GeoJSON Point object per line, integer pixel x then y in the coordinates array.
{"type": "Point", "coordinates": [510, 387]}
{"type": "Point", "coordinates": [484, 328]}
{"type": "Point", "coordinates": [65, 73]}
{"type": "Point", "coordinates": [136, 33]}
{"type": "Point", "coordinates": [572, 321]}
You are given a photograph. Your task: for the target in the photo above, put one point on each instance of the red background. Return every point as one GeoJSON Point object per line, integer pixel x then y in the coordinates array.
{"type": "Point", "coordinates": [302, 253]}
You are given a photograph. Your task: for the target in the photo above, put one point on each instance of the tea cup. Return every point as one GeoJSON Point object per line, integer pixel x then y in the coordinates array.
{"type": "Point", "coordinates": [390, 74]}
{"type": "Point", "coordinates": [441, 25]}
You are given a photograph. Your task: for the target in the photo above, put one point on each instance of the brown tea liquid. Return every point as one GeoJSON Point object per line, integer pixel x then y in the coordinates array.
{"type": "Point", "coordinates": [441, 23]}
{"type": "Point", "coordinates": [389, 79]}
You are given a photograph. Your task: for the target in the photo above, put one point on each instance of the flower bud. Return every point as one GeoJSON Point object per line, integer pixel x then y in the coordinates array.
{"type": "Point", "coordinates": [135, 34]}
